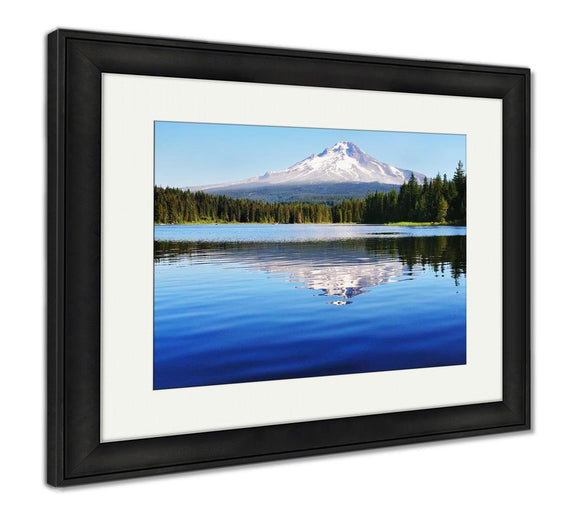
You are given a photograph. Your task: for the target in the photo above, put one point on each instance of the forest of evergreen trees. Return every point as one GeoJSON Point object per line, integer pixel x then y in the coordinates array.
{"type": "Point", "coordinates": [437, 200]}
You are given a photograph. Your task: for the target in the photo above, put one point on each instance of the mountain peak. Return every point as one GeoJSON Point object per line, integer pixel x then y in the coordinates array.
{"type": "Point", "coordinates": [343, 162]}
{"type": "Point", "coordinates": [344, 145]}
{"type": "Point", "coordinates": [347, 148]}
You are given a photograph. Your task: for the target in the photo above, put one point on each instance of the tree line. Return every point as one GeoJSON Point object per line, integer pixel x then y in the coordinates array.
{"type": "Point", "coordinates": [437, 200]}
{"type": "Point", "coordinates": [173, 205]}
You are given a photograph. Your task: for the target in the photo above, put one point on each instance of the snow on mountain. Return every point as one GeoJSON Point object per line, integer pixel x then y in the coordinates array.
{"type": "Point", "coordinates": [344, 162]}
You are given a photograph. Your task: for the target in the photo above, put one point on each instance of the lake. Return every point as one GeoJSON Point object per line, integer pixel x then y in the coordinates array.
{"type": "Point", "coordinates": [242, 303]}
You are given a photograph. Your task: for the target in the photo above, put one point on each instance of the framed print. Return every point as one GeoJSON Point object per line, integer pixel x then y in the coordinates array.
{"type": "Point", "coordinates": [259, 253]}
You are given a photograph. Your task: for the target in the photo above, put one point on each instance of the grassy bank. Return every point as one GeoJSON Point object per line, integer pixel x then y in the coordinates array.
{"type": "Point", "coordinates": [395, 224]}
{"type": "Point", "coordinates": [424, 224]}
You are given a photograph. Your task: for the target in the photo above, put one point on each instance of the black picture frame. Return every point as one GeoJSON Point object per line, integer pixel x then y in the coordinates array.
{"type": "Point", "coordinates": [75, 62]}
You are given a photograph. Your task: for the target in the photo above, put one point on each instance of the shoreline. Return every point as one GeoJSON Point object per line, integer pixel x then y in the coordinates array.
{"type": "Point", "coordinates": [393, 224]}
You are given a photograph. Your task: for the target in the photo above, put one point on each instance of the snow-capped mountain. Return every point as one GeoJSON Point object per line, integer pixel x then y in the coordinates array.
{"type": "Point", "coordinates": [338, 172]}
{"type": "Point", "coordinates": [344, 162]}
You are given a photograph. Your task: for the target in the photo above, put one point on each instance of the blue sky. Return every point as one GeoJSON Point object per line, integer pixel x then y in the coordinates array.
{"type": "Point", "coordinates": [195, 154]}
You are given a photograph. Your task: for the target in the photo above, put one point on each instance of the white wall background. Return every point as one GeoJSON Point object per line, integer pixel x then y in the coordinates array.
{"type": "Point", "coordinates": [515, 470]}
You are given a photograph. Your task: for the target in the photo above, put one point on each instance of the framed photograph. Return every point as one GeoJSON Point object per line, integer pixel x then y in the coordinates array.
{"type": "Point", "coordinates": [260, 253]}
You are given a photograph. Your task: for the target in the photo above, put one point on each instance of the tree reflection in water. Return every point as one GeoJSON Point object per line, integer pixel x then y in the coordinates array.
{"type": "Point", "coordinates": [338, 268]}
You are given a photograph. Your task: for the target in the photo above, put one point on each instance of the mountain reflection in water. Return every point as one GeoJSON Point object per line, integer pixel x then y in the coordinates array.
{"type": "Point", "coordinates": [338, 268]}
{"type": "Point", "coordinates": [251, 303]}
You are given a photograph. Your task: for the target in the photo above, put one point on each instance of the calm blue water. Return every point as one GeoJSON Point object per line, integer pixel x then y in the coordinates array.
{"type": "Point", "coordinates": [240, 303]}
